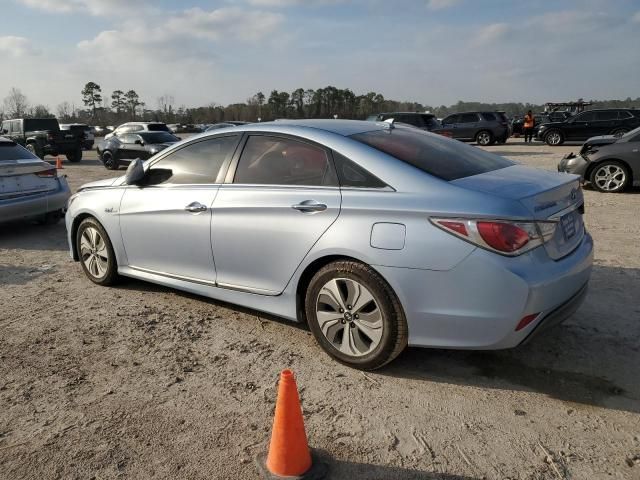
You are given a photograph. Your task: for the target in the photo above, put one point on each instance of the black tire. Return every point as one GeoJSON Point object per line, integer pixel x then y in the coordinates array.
{"type": "Point", "coordinates": [485, 138]}
{"type": "Point", "coordinates": [554, 138]}
{"type": "Point", "coordinates": [33, 148]}
{"type": "Point", "coordinates": [619, 182]}
{"type": "Point", "coordinates": [111, 274]}
{"type": "Point", "coordinates": [109, 160]}
{"type": "Point", "coordinates": [618, 132]}
{"type": "Point", "coordinates": [394, 335]}
{"type": "Point", "coordinates": [75, 156]}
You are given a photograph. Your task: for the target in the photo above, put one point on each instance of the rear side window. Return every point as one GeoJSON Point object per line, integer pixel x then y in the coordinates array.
{"type": "Point", "coordinates": [351, 174]}
{"type": "Point", "coordinates": [468, 118]}
{"type": "Point", "coordinates": [606, 115]}
{"type": "Point", "coordinates": [438, 156]}
{"type": "Point", "coordinates": [34, 124]}
{"type": "Point", "coordinates": [13, 151]}
{"type": "Point", "coordinates": [196, 163]}
{"type": "Point", "coordinates": [489, 117]}
{"type": "Point", "coordinates": [269, 160]}
{"type": "Point", "coordinates": [157, 127]}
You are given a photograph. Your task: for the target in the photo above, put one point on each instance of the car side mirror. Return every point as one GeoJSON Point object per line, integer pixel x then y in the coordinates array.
{"type": "Point", "coordinates": [139, 142]}
{"type": "Point", "coordinates": [135, 172]}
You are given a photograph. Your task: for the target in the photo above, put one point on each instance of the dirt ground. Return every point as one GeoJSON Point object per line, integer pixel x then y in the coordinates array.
{"type": "Point", "coordinates": [141, 381]}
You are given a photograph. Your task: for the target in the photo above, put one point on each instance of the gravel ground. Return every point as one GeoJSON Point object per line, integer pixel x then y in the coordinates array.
{"type": "Point", "coordinates": [141, 381]}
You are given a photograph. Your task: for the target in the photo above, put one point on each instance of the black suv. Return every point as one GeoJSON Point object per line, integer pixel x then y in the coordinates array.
{"type": "Point", "coordinates": [484, 128]}
{"type": "Point", "coordinates": [611, 121]}
{"type": "Point", "coordinates": [42, 136]}
{"type": "Point", "coordinates": [424, 121]}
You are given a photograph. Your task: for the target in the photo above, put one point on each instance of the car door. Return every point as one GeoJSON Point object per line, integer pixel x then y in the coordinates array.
{"type": "Point", "coordinates": [133, 147]}
{"type": "Point", "coordinates": [579, 127]}
{"type": "Point", "coordinates": [450, 124]}
{"type": "Point", "coordinates": [165, 221]}
{"type": "Point", "coordinates": [468, 124]}
{"type": "Point", "coordinates": [281, 195]}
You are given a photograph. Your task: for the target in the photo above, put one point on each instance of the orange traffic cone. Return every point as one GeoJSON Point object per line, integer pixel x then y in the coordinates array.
{"type": "Point", "coordinates": [289, 455]}
{"type": "Point", "coordinates": [58, 163]}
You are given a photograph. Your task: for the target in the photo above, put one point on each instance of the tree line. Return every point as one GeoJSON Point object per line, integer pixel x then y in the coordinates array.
{"type": "Point", "coordinates": [329, 102]}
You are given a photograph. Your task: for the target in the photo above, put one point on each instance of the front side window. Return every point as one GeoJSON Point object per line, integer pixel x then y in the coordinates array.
{"type": "Point", "coordinates": [586, 117]}
{"type": "Point", "coordinates": [128, 138]}
{"type": "Point", "coordinates": [195, 163]}
{"type": "Point", "coordinates": [438, 156]}
{"type": "Point", "coordinates": [269, 160]}
{"type": "Point", "coordinates": [157, 127]}
{"type": "Point", "coordinates": [451, 119]}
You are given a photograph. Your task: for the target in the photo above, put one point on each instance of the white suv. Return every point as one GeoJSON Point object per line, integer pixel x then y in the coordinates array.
{"type": "Point", "coordinates": [131, 127]}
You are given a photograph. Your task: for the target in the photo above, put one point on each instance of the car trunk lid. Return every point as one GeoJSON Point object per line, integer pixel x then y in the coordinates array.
{"type": "Point", "coordinates": [546, 195]}
{"type": "Point", "coordinates": [19, 178]}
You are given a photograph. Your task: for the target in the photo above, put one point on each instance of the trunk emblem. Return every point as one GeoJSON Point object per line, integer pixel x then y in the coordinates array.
{"type": "Point", "coordinates": [574, 194]}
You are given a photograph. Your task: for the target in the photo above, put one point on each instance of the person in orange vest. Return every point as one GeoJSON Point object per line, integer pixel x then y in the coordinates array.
{"type": "Point", "coordinates": [529, 123]}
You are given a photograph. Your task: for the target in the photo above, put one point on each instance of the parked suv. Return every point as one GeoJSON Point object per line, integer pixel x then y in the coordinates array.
{"type": "Point", "coordinates": [84, 131]}
{"type": "Point", "coordinates": [611, 121]}
{"type": "Point", "coordinates": [42, 136]}
{"type": "Point", "coordinates": [484, 128]}
{"type": "Point", "coordinates": [424, 121]}
{"type": "Point", "coordinates": [137, 127]}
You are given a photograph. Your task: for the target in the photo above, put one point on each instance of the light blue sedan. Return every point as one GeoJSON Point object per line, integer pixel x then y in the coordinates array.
{"type": "Point", "coordinates": [377, 235]}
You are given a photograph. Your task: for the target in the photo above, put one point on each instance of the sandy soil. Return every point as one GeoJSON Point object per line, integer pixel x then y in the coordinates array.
{"type": "Point", "coordinates": [141, 382]}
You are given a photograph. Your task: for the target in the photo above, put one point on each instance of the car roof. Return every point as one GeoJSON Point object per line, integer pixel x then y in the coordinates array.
{"type": "Point", "coordinates": [340, 127]}
{"type": "Point", "coordinates": [407, 113]}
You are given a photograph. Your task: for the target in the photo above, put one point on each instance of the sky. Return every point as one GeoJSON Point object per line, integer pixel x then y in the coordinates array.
{"type": "Point", "coordinates": [435, 52]}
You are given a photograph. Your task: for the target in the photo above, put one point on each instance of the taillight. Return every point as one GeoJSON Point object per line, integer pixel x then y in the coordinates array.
{"type": "Point", "coordinates": [526, 321]}
{"type": "Point", "coordinates": [48, 173]}
{"type": "Point", "coordinates": [501, 236]}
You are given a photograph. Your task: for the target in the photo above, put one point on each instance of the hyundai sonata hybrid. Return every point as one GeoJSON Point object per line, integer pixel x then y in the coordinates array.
{"type": "Point", "coordinates": [377, 235]}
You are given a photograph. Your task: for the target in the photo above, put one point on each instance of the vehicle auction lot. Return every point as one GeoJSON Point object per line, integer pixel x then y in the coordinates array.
{"type": "Point", "coordinates": [140, 381]}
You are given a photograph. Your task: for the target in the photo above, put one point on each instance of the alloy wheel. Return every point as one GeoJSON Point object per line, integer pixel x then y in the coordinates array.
{"type": "Point", "coordinates": [484, 138]}
{"type": "Point", "coordinates": [610, 178]}
{"type": "Point", "coordinates": [349, 317]}
{"type": "Point", "coordinates": [94, 253]}
{"type": "Point", "coordinates": [554, 138]}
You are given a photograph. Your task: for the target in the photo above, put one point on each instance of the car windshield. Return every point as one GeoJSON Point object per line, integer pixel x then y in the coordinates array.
{"type": "Point", "coordinates": [35, 124]}
{"type": "Point", "coordinates": [13, 151]}
{"type": "Point", "coordinates": [438, 156]}
{"type": "Point", "coordinates": [158, 127]}
{"type": "Point", "coordinates": [158, 137]}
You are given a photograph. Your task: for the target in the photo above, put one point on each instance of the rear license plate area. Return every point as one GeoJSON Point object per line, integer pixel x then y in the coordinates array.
{"type": "Point", "coordinates": [569, 227]}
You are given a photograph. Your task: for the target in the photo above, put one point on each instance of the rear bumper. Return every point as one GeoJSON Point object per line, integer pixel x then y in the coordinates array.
{"type": "Point", "coordinates": [18, 208]}
{"type": "Point", "coordinates": [479, 303]}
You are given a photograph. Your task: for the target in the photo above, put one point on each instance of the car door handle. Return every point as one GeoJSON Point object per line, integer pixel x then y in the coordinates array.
{"type": "Point", "coordinates": [195, 207]}
{"type": "Point", "coordinates": [309, 206]}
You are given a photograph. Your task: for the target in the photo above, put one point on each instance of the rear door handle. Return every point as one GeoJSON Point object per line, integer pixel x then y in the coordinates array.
{"type": "Point", "coordinates": [309, 206]}
{"type": "Point", "coordinates": [195, 207]}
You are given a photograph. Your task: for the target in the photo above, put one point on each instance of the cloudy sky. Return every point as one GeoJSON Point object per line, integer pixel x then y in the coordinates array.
{"type": "Point", "coordinates": [432, 51]}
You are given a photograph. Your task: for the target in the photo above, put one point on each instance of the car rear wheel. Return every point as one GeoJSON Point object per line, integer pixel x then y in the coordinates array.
{"type": "Point", "coordinates": [75, 156]}
{"type": "Point", "coordinates": [484, 138]}
{"type": "Point", "coordinates": [110, 161]}
{"type": "Point", "coordinates": [554, 138]}
{"type": "Point", "coordinates": [355, 316]}
{"type": "Point", "coordinates": [610, 177]}
{"type": "Point", "coordinates": [96, 253]}
{"type": "Point", "coordinates": [619, 132]}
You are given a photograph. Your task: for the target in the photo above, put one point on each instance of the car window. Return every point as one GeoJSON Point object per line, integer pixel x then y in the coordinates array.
{"type": "Point", "coordinates": [35, 124]}
{"type": "Point", "coordinates": [15, 126]}
{"type": "Point", "coordinates": [622, 114]}
{"type": "Point", "coordinates": [430, 121]}
{"type": "Point", "coordinates": [489, 117]}
{"type": "Point", "coordinates": [585, 117]}
{"type": "Point", "coordinates": [158, 137]}
{"type": "Point", "coordinates": [157, 127]}
{"type": "Point", "coordinates": [6, 126]}
{"type": "Point", "coordinates": [351, 174]}
{"type": "Point", "coordinates": [450, 119]}
{"type": "Point", "coordinates": [13, 151]}
{"type": "Point", "coordinates": [606, 115]}
{"type": "Point", "coordinates": [438, 156]}
{"type": "Point", "coordinates": [269, 160]}
{"type": "Point", "coordinates": [468, 118]}
{"type": "Point", "coordinates": [195, 163]}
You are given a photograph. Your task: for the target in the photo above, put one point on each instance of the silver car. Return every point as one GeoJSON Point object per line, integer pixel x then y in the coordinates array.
{"type": "Point", "coordinates": [29, 186]}
{"type": "Point", "coordinates": [377, 235]}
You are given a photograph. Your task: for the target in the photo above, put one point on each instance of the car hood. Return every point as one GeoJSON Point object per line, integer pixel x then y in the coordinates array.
{"type": "Point", "coordinates": [107, 182]}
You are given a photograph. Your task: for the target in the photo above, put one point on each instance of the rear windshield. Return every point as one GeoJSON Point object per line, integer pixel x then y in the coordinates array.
{"type": "Point", "coordinates": [13, 151]}
{"type": "Point", "coordinates": [438, 156]}
{"type": "Point", "coordinates": [158, 127]}
{"type": "Point", "coordinates": [158, 137]}
{"type": "Point", "coordinates": [34, 124]}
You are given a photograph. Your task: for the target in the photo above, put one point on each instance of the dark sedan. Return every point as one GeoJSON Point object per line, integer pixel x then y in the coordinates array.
{"type": "Point", "coordinates": [608, 162]}
{"type": "Point", "coordinates": [121, 149]}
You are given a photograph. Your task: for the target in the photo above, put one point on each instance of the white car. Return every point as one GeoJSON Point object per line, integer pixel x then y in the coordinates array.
{"type": "Point", "coordinates": [137, 127]}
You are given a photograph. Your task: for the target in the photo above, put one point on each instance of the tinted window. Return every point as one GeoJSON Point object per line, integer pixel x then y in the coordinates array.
{"type": "Point", "coordinates": [282, 161]}
{"type": "Point", "coordinates": [606, 115]}
{"type": "Point", "coordinates": [436, 155]}
{"type": "Point", "coordinates": [12, 151]}
{"type": "Point", "coordinates": [468, 118]}
{"type": "Point", "coordinates": [353, 175]}
{"type": "Point", "coordinates": [128, 138]}
{"type": "Point", "coordinates": [158, 137]}
{"type": "Point", "coordinates": [6, 126]}
{"type": "Point", "coordinates": [489, 117]}
{"type": "Point", "coordinates": [414, 120]}
{"type": "Point", "coordinates": [624, 114]}
{"type": "Point", "coordinates": [197, 163]}
{"type": "Point", "coordinates": [157, 127]}
{"type": "Point", "coordinates": [430, 121]}
{"type": "Point", "coordinates": [34, 124]}
{"type": "Point", "coordinates": [451, 119]}
{"type": "Point", "coordinates": [586, 117]}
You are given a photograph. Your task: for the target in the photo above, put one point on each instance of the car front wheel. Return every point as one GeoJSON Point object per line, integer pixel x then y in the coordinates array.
{"type": "Point", "coordinates": [610, 177]}
{"type": "Point", "coordinates": [96, 253]}
{"type": "Point", "coordinates": [554, 138]}
{"type": "Point", "coordinates": [355, 316]}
